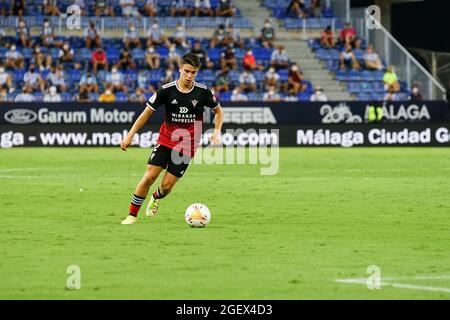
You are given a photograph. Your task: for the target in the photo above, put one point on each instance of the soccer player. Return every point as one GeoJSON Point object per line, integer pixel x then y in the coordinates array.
{"type": "Point", "coordinates": [179, 135]}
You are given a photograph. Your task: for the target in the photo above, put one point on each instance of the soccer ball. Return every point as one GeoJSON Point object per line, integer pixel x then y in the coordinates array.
{"type": "Point", "coordinates": [197, 215]}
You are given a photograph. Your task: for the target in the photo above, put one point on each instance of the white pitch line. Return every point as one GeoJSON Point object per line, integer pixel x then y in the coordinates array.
{"type": "Point", "coordinates": [402, 285]}
{"type": "Point", "coordinates": [19, 169]}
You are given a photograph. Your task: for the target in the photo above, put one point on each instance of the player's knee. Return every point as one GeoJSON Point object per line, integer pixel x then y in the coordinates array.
{"type": "Point", "coordinates": [166, 187]}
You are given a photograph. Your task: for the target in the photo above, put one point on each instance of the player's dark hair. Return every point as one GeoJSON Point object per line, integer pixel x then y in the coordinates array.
{"type": "Point", "coordinates": [191, 59]}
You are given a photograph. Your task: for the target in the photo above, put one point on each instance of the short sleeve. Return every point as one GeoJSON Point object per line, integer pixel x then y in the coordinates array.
{"type": "Point", "coordinates": [211, 101]}
{"type": "Point", "coordinates": [156, 100]}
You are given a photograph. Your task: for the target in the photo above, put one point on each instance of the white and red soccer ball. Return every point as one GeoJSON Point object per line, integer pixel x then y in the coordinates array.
{"type": "Point", "coordinates": [197, 215]}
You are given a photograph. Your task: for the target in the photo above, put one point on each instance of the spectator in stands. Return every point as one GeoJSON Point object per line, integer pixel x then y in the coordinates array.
{"type": "Point", "coordinates": [316, 9]}
{"type": "Point", "coordinates": [6, 83]}
{"type": "Point", "coordinates": [415, 94]}
{"type": "Point", "coordinates": [348, 59]}
{"type": "Point", "coordinates": [144, 83]}
{"type": "Point", "coordinates": [295, 80]}
{"type": "Point", "coordinates": [228, 59]}
{"type": "Point", "coordinates": [125, 61]}
{"type": "Point", "coordinates": [92, 36]}
{"type": "Point", "coordinates": [219, 37]}
{"type": "Point", "coordinates": [131, 37]}
{"type": "Point", "coordinates": [88, 83]}
{"type": "Point", "coordinates": [151, 8]}
{"type": "Point", "coordinates": [222, 81]}
{"type": "Point", "coordinates": [48, 36]}
{"type": "Point", "coordinates": [23, 34]}
{"type": "Point", "coordinates": [298, 8]}
{"type": "Point", "coordinates": [4, 94]}
{"type": "Point", "coordinates": [57, 78]}
{"type": "Point", "coordinates": [247, 81]}
{"type": "Point", "coordinates": [18, 8]}
{"type": "Point", "coordinates": [2, 37]}
{"type": "Point", "coordinates": [390, 80]}
{"type": "Point", "coordinates": [348, 34]}
{"type": "Point", "coordinates": [179, 8]}
{"type": "Point", "coordinates": [156, 36]}
{"type": "Point", "coordinates": [203, 8]}
{"type": "Point", "coordinates": [83, 97]}
{"type": "Point", "coordinates": [116, 79]}
{"type": "Point", "coordinates": [271, 79]}
{"type": "Point", "coordinates": [40, 60]}
{"type": "Point", "coordinates": [318, 95]}
{"type": "Point", "coordinates": [203, 56]}
{"type": "Point", "coordinates": [168, 77]}
{"type": "Point", "coordinates": [279, 59]}
{"type": "Point", "coordinates": [271, 95]}
{"type": "Point", "coordinates": [327, 38]}
{"type": "Point", "coordinates": [14, 58]}
{"type": "Point", "coordinates": [103, 8]}
{"type": "Point", "coordinates": [267, 36]}
{"type": "Point", "coordinates": [234, 36]}
{"type": "Point", "coordinates": [179, 36]}
{"type": "Point", "coordinates": [66, 54]}
{"type": "Point", "coordinates": [52, 95]}
{"type": "Point", "coordinates": [357, 43]}
{"type": "Point", "coordinates": [372, 60]}
{"type": "Point", "coordinates": [99, 59]}
{"type": "Point", "coordinates": [108, 95]}
{"type": "Point", "coordinates": [50, 8]}
{"type": "Point", "coordinates": [81, 5]}
{"type": "Point", "coordinates": [249, 61]}
{"type": "Point", "coordinates": [173, 58]}
{"type": "Point", "coordinates": [129, 8]}
{"type": "Point", "coordinates": [237, 95]}
{"type": "Point", "coordinates": [390, 95]}
{"type": "Point", "coordinates": [225, 9]}
{"type": "Point", "coordinates": [33, 79]}
{"type": "Point", "coordinates": [25, 95]}
{"type": "Point", "coordinates": [138, 96]}
{"type": "Point", "coordinates": [152, 58]}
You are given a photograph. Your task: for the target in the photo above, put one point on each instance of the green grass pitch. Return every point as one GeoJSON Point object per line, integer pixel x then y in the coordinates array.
{"type": "Point", "coordinates": [328, 214]}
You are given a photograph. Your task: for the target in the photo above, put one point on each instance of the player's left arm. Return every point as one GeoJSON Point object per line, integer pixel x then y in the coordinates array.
{"type": "Point", "coordinates": [218, 121]}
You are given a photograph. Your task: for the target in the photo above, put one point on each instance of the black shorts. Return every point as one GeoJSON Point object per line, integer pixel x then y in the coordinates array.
{"type": "Point", "coordinates": [174, 162]}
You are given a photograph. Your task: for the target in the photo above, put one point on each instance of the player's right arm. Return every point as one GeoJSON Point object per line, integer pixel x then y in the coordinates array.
{"type": "Point", "coordinates": [138, 124]}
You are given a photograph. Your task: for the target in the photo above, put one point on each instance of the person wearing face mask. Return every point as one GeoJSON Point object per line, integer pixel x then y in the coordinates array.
{"type": "Point", "coordinates": [25, 95]}
{"type": "Point", "coordinates": [14, 59]}
{"type": "Point", "coordinates": [173, 58]}
{"type": "Point", "coordinates": [47, 35]}
{"type": "Point", "coordinates": [131, 37]}
{"type": "Point", "coordinates": [151, 8]}
{"type": "Point", "coordinates": [116, 80]}
{"type": "Point", "coordinates": [202, 55]}
{"type": "Point", "coordinates": [40, 60]}
{"type": "Point", "coordinates": [103, 8]}
{"type": "Point", "coordinates": [247, 81]}
{"type": "Point", "coordinates": [23, 34]}
{"type": "Point", "coordinates": [415, 94]}
{"type": "Point", "coordinates": [225, 9]}
{"type": "Point", "coordinates": [249, 61]}
{"type": "Point", "coordinates": [108, 95]}
{"type": "Point", "coordinates": [390, 79]}
{"type": "Point", "coordinates": [156, 36]}
{"type": "Point", "coordinates": [92, 36]}
{"type": "Point", "coordinates": [5, 80]}
{"type": "Point", "coordinates": [66, 54]}
{"type": "Point", "coordinates": [318, 95]}
{"type": "Point", "coordinates": [234, 36]}
{"type": "Point", "coordinates": [179, 8]}
{"type": "Point", "coordinates": [203, 8]}
{"type": "Point", "coordinates": [295, 80]}
{"type": "Point", "coordinates": [222, 81]}
{"type": "Point", "coordinates": [99, 60]}
{"type": "Point", "coordinates": [297, 8]}
{"type": "Point", "coordinates": [88, 83]}
{"type": "Point", "coordinates": [152, 58]}
{"type": "Point", "coordinates": [33, 79]}
{"type": "Point", "coordinates": [50, 8]}
{"type": "Point", "coordinates": [271, 95]}
{"type": "Point", "coordinates": [271, 79]}
{"type": "Point", "coordinates": [237, 95]}
{"type": "Point", "coordinates": [279, 59]}
{"type": "Point", "coordinates": [129, 8]}
{"type": "Point", "coordinates": [57, 78]}
{"type": "Point", "coordinates": [52, 95]}
{"type": "Point", "coordinates": [179, 36]}
{"type": "Point", "coordinates": [219, 37]}
{"type": "Point", "coordinates": [267, 36]}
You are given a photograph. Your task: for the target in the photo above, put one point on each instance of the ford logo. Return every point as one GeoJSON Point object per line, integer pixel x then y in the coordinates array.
{"type": "Point", "coordinates": [20, 116]}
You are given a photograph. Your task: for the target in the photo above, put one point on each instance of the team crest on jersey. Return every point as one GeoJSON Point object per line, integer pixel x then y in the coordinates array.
{"type": "Point", "coordinates": [194, 102]}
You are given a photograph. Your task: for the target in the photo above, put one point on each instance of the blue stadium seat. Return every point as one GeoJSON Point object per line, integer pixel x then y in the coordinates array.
{"type": "Point", "coordinates": [121, 96]}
